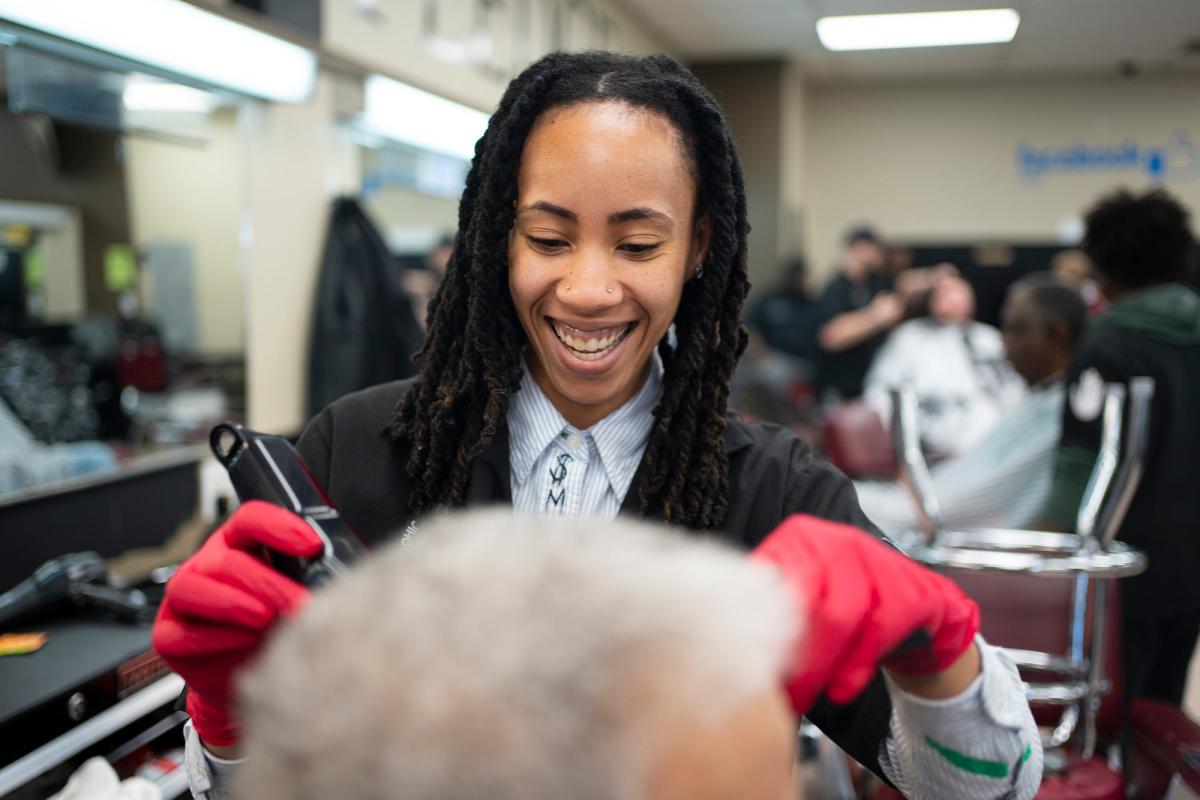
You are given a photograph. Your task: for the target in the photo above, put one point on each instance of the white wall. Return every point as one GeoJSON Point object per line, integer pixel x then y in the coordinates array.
{"type": "Point", "coordinates": [192, 193]}
{"type": "Point", "coordinates": [792, 178]}
{"type": "Point", "coordinates": [296, 161]}
{"type": "Point", "coordinates": [751, 94]}
{"type": "Point", "coordinates": [938, 162]}
{"type": "Point", "coordinates": [408, 219]}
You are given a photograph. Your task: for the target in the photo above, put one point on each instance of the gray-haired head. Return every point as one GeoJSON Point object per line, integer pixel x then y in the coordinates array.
{"type": "Point", "coordinates": [1052, 299]}
{"type": "Point", "coordinates": [1042, 320]}
{"type": "Point", "coordinates": [506, 657]}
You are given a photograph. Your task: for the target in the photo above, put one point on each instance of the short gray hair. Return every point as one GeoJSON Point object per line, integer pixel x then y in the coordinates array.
{"type": "Point", "coordinates": [503, 657]}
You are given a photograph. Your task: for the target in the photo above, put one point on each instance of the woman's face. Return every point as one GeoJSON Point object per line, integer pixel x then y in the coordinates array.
{"type": "Point", "coordinates": [602, 243]}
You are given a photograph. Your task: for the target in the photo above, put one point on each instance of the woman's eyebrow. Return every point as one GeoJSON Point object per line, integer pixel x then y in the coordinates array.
{"type": "Point", "coordinates": [640, 213]}
{"type": "Point", "coordinates": [549, 208]}
{"type": "Point", "coordinates": [628, 215]}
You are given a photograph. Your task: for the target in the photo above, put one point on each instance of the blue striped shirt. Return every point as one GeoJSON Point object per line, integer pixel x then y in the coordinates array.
{"type": "Point", "coordinates": [560, 469]}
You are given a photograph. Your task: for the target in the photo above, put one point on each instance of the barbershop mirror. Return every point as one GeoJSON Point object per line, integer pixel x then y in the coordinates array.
{"type": "Point", "coordinates": [412, 198]}
{"type": "Point", "coordinates": [122, 305]}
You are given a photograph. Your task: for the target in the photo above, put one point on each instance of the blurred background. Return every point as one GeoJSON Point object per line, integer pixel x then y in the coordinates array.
{"type": "Point", "coordinates": [150, 199]}
{"type": "Point", "coordinates": [218, 209]}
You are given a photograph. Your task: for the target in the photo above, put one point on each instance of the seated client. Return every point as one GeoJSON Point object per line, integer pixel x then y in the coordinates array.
{"type": "Point", "coordinates": [497, 656]}
{"type": "Point", "coordinates": [1004, 480]}
{"type": "Point", "coordinates": [531, 658]}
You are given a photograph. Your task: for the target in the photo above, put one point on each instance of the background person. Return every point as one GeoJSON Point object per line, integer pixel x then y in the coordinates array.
{"type": "Point", "coordinates": [858, 309]}
{"type": "Point", "coordinates": [1004, 480]}
{"type": "Point", "coordinates": [786, 317]}
{"type": "Point", "coordinates": [955, 365]}
{"type": "Point", "coordinates": [1141, 248]}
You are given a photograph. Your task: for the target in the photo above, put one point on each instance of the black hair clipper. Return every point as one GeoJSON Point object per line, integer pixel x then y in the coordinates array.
{"type": "Point", "coordinates": [268, 468]}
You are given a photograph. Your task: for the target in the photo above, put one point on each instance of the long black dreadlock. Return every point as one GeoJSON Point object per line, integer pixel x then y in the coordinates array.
{"type": "Point", "coordinates": [471, 359]}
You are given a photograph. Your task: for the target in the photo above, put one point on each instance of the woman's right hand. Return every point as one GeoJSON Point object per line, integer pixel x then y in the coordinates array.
{"type": "Point", "coordinates": [219, 606]}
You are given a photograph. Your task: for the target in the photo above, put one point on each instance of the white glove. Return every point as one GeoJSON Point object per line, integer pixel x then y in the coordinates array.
{"type": "Point", "coordinates": [97, 780]}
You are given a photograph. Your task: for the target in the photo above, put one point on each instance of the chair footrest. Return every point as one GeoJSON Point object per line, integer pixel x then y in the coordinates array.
{"type": "Point", "coordinates": [1061, 694]}
{"type": "Point", "coordinates": [1035, 659]}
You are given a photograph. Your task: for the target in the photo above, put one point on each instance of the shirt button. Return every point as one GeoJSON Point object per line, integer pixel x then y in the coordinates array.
{"type": "Point", "coordinates": [574, 442]}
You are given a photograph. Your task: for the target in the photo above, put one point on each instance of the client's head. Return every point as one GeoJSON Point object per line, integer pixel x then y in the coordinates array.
{"type": "Point", "coordinates": [503, 657]}
{"type": "Point", "coordinates": [953, 300]}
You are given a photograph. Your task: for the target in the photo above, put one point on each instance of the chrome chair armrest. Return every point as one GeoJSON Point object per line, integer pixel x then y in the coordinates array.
{"type": "Point", "coordinates": [1057, 694]}
{"type": "Point", "coordinates": [1028, 552]}
{"type": "Point", "coordinates": [1045, 662]}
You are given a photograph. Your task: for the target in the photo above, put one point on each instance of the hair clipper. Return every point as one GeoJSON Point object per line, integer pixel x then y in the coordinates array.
{"type": "Point", "coordinates": [268, 468]}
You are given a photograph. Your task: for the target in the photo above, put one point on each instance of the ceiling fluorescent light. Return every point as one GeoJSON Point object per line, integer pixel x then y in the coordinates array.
{"type": "Point", "coordinates": [408, 115]}
{"type": "Point", "coordinates": [177, 38]}
{"type": "Point", "coordinates": [141, 94]}
{"type": "Point", "coordinates": [926, 29]}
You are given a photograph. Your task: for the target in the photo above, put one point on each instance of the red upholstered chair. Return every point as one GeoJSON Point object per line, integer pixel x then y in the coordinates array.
{"type": "Point", "coordinates": [1028, 613]}
{"type": "Point", "coordinates": [1165, 742]}
{"type": "Point", "coordinates": [855, 441]}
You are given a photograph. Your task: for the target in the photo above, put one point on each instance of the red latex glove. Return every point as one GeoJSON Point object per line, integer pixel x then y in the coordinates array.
{"type": "Point", "coordinates": [862, 600]}
{"type": "Point", "coordinates": [220, 604]}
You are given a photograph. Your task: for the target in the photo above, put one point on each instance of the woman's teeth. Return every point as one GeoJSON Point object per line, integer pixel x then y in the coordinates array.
{"type": "Point", "coordinates": [589, 345]}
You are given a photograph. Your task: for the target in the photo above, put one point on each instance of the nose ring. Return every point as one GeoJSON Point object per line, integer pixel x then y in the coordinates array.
{"type": "Point", "coordinates": [609, 290]}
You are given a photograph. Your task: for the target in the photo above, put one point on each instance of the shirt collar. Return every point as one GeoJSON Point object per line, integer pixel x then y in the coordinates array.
{"type": "Point", "coordinates": [534, 423]}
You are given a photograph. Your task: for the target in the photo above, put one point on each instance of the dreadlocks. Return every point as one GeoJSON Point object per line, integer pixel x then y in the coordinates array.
{"type": "Point", "coordinates": [471, 359]}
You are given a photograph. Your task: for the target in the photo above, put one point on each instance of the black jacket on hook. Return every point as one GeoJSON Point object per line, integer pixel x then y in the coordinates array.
{"type": "Point", "coordinates": [364, 331]}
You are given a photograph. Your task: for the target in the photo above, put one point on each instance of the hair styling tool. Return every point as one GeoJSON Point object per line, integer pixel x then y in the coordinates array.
{"type": "Point", "coordinates": [268, 468]}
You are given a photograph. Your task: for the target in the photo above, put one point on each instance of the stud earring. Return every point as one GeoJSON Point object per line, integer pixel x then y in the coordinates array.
{"type": "Point", "coordinates": [609, 290]}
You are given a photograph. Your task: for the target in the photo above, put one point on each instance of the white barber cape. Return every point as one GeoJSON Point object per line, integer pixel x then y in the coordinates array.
{"type": "Point", "coordinates": [964, 383]}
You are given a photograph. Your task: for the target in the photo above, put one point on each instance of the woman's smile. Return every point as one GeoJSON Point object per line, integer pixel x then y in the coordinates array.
{"type": "Point", "coordinates": [589, 343]}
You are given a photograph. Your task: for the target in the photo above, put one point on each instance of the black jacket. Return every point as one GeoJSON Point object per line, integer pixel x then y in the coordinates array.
{"type": "Point", "coordinates": [772, 474]}
{"type": "Point", "coordinates": [364, 331]}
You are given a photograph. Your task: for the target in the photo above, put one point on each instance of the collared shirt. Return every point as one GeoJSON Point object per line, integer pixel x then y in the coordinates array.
{"type": "Point", "coordinates": [559, 469]}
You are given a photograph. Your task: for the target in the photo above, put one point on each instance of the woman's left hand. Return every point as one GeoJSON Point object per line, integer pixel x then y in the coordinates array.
{"type": "Point", "coordinates": [866, 605]}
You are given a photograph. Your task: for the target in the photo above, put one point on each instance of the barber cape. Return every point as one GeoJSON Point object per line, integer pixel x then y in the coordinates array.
{"type": "Point", "coordinates": [964, 383]}
{"type": "Point", "coordinates": [1002, 482]}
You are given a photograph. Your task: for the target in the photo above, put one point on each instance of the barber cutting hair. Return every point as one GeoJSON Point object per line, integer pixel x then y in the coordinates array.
{"type": "Point", "coordinates": [577, 364]}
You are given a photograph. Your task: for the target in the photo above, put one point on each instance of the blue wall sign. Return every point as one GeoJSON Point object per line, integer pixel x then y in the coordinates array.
{"type": "Point", "coordinates": [1176, 160]}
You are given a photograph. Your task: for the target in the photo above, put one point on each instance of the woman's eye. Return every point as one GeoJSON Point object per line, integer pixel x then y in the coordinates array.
{"type": "Point", "coordinates": [638, 249]}
{"type": "Point", "coordinates": [546, 245]}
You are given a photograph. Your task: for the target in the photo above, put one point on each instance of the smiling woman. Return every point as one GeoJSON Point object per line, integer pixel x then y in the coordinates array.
{"type": "Point", "coordinates": [626, 181]}
{"type": "Point", "coordinates": [603, 211]}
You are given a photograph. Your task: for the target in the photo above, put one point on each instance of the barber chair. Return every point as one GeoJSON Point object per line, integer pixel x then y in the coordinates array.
{"type": "Point", "coordinates": [855, 440]}
{"type": "Point", "coordinates": [1164, 758]}
{"type": "Point", "coordinates": [1051, 600]}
